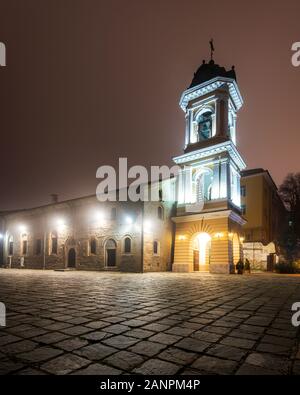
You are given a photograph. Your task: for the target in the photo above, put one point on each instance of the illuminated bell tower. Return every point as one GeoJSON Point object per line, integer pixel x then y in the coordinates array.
{"type": "Point", "coordinates": [208, 220]}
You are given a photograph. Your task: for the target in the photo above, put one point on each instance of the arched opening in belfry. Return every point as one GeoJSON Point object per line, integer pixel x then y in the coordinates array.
{"type": "Point", "coordinates": [205, 126]}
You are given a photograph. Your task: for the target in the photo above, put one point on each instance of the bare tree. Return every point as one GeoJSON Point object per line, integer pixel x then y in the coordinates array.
{"type": "Point", "coordinates": [290, 193]}
{"type": "Point", "coordinates": [290, 230]}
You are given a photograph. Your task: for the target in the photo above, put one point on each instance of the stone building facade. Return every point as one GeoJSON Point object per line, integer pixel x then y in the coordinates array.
{"type": "Point", "coordinates": [198, 228]}
{"type": "Point", "coordinates": [86, 234]}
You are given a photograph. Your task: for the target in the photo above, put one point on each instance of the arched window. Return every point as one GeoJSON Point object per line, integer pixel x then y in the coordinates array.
{"type": "Point", "coordinates": [110, 253]}
{"type": "Point", "coordinates": [38, 247]}
{"type": "Point", "coordinates": [160, 212]}
{"type": "Point", "coordinates": [24, 244]}
{"type": "Point", "coordinates": [207, 187]}
{"type": "Point", "coordinates": [205, 126]}
{"type": "Point", "coordinates": [202, 185]}
{"type": "Point", "coordinates": [54, 243]}
{"type": "Point", "coordinates": [155, 247]}
{"type": "Point", "coordinates": [11, 246]}
{"type": "Point", "coordinates": [127, 245]}
{"type": "Point", "coordinates": [93, 246]}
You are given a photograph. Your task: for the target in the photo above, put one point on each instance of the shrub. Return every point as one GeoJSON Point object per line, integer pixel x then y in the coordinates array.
{"type": "Point", "coordinates": [286, 268]}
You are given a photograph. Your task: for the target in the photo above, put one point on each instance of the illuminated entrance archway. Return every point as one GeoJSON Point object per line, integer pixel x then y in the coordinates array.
{"type": "Point", "coordinates": [201, 245]}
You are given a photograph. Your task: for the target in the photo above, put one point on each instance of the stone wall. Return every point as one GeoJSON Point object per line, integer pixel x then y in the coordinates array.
{"type": "Point", "coordinates": [78, 221]}
{"type": "Point", "coordinates": [160, 230]}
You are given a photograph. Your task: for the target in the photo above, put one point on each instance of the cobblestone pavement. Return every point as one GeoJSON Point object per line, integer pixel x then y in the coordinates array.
{"type": "Point", "coordinates": [160, 323]}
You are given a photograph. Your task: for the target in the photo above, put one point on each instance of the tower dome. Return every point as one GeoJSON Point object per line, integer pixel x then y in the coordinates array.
{"type": "Point", "coordinates": [210, 70]}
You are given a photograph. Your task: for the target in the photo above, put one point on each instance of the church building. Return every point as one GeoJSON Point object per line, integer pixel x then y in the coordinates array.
{"type": "Point", "coordinates": [209, 239]}
{"type": "Point", "coordinates": [199, 229]}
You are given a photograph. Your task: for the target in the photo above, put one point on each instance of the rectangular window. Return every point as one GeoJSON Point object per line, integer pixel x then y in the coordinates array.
{"type": "Point", "coordinates": [243, 209]}
{"type": "Point", "coordinates": [11, 248]}
{"type": "Point", "coordinates": [38, 247]}
{"type": "Point", "coordinates": [243, 190]}
{"type": "Point", "coordinates": [54, 245]}
{"type": "Point", "coordinates": [24, 247]}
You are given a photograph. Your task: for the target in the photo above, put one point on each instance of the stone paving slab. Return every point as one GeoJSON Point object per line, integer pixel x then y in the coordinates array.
{"type": "Point", "coordinates": [101, 323]}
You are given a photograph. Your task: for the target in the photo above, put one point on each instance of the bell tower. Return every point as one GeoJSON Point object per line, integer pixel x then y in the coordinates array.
{"type": "Point", "coordinates": [208, 220]}
{"type": "Point", "coordinates": [210, 109]}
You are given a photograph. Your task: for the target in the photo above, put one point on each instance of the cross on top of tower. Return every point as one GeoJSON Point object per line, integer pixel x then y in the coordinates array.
{"type": "Point", "coordinates": [212, 48]}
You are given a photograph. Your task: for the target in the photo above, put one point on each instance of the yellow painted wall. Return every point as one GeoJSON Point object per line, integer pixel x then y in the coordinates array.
{"type": "Point", "coordinates": [263, 208]}
{"type": "Point", "coordinates": [253, 201]}
{"type": "Point", "coordinates": [221, 244]}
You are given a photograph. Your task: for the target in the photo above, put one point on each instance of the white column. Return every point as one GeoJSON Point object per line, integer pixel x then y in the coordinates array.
{"type": "Point", "coordinates": [218, 116]}
{"type": "Point", "coordinates": [187, 131]}
{"type": "Point", "coordinates": [188, 184]}
{"type": "Point", "coordinates": [228, 180]}
{"type": "Point", "coordinates": [180, 187]}
{"type": "Point", "coordinates": [216, 181]}
{"type": "Point", "coordinates": [223, 180]}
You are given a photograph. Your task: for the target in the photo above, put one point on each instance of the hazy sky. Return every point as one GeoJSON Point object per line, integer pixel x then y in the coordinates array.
{"type": "Point", "coordinates": [89, 81]}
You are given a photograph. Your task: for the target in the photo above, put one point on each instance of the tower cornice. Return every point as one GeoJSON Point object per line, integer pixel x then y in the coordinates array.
{"type": "Point", "coordinates": [210, 86]}
{"type": "Point", "coordinates": [202, 153]}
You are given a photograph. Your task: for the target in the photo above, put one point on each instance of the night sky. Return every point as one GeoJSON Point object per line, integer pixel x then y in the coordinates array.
{"type": "Point", "coordinates": [89, 81]}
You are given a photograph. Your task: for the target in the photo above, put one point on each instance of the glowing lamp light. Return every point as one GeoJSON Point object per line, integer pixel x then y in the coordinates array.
{"type": "Point", "coordinates": [99, 216]}
{"type": "Point", "coordinates": [230, 234]}
{"type": "Point", "coordinates": [181, 237]}
{"type": "Point", "coordinates": [22, 228]}
{"type": "Point", "coordinates": [60, 223]}
{"type": "Point", "coordinates": [242, 239]}
{"type": "Point", "coordinates": [129, 220]}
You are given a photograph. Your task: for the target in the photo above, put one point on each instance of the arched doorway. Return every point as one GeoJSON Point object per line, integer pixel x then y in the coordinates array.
{"type": "Point", "coordinates": [110, 253]}
{"type": "Point", "coordinates": [201, 245]}
{"type": "Point", "coordinates": [72, 258]}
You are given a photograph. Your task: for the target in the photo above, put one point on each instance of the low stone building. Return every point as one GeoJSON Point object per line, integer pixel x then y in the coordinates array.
{"type": "Point", "coordinates": [89, 235]}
